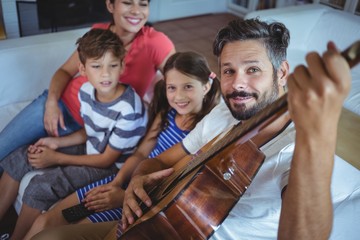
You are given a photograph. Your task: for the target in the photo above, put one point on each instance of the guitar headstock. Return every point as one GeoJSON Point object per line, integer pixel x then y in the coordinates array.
{"type": "Point", "coordinates": [352, 54]}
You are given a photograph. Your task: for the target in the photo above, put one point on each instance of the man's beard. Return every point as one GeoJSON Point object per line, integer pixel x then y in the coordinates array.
{"type": "Point", "coordinates": [241, 112]}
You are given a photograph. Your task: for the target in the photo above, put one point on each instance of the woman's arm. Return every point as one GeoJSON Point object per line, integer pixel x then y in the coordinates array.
{"type": "Point", "coordinates": [53, 115]}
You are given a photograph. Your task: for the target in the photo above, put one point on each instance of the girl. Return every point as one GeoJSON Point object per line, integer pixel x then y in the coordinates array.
{"type": "Point", "coordinates": [192, 90]}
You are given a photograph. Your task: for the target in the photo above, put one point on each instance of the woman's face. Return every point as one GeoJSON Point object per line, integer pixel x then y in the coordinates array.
{"type": "Point", "coordinates": [129, 15]}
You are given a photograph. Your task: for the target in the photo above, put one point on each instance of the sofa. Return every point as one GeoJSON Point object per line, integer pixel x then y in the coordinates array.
{"type": "Point", "coordinates": [27, 64]}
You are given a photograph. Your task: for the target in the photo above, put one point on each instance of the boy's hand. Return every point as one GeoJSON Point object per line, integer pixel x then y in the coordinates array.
{"type": "Point", "coordinates": [34, 149]}
{"type": "Point", "coordinates": [43, 157]}
{"type": "Point", "coordinates": [50, 142]}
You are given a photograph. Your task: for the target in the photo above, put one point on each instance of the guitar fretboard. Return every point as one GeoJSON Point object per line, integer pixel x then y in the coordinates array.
{"type": "Point", "coordinates": [240, 130]}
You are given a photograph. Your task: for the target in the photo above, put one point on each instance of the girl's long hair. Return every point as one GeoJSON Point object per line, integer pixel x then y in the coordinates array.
{"type": "Point", "coordinates": [195, 66]}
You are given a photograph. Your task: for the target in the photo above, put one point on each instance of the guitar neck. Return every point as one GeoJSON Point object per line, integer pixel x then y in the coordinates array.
{"type": "Point", "coordinates": [243, 131]}
{"type": "Point", "coordinates": [352, 54]}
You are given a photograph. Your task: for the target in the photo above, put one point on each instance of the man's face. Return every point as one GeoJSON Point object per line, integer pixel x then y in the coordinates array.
{"type": "Point", "coordinates": [247, 79]}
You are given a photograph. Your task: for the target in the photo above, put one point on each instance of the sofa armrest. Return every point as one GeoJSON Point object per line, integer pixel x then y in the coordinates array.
{"type": "Point", "coordinates": [27, 64]}
{"type": "Point", "coordinates": [349, 138]}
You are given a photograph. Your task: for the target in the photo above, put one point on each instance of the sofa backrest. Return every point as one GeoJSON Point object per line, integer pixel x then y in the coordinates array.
{"type": "Point", "coordinates": [28, 63]}
{"type": "Point", "coordinates": [300, 20]}
{"type": "Point", "coordinates": [343, 29]}
{"type": "Point", "coordinates": [311, 26]}
{"type": "Point", "coordinates": [334, 25]}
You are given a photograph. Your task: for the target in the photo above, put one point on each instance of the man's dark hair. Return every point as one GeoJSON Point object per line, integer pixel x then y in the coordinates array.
{"type": "Point", "coordinates": [275, 37]}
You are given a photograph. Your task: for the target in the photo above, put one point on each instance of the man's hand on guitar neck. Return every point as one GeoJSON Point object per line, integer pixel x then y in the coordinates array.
{"type": "Point", "coordinates": [136, 190]}
{"type": "Point", "coordinates": [317, 92]}
{"type": "Point", "coordinates": [316, 95]}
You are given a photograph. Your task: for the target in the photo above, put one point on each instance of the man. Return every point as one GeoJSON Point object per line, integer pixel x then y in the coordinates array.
{"type": "Point", "coordinates": [254, 71]}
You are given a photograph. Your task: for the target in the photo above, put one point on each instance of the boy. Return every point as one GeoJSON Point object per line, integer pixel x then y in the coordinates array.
{"type": "Point", "coordinates": [114, 121]}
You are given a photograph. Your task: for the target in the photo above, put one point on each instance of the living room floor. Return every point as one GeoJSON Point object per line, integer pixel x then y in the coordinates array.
{"type": "Point", "coordinates": [196, 33]}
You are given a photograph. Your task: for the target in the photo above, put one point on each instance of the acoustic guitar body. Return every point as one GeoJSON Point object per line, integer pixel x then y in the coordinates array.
{"type": "Point", "coordinates": [195, 206]}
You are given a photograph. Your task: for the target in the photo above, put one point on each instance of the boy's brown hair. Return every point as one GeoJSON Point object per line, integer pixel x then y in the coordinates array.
{"type": "Point", "coordinates": [96, 42]}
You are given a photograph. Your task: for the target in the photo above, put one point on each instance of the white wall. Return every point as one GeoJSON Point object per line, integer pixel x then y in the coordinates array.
{"type": "Point", "coordinates": [170, 9]}
{"type": "Point", "coordinates": [10, 18]}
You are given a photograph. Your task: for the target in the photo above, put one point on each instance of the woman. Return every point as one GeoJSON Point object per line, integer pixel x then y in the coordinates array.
{"type": "Point", "coordinates": [56, 111]}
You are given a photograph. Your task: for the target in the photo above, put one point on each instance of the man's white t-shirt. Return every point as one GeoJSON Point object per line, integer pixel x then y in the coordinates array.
{"type": "Point", "coordinates": [257, 213]}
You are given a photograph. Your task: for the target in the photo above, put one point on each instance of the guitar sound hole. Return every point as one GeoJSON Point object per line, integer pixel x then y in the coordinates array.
{"type": "Point", "coordinates": [166, 186]}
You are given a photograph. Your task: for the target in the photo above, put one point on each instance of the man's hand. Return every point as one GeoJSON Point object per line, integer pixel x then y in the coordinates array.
{"type": "Point", "coordinates": [315, 97]}
{"type": "Point", "coordinates": [136, 190]}
{"type": "Point", "coordinates": [53, 117]}
{"type": "Point", "coordinates": [104, 197]}
{"type": "Point", "coordinates": [316, 93]}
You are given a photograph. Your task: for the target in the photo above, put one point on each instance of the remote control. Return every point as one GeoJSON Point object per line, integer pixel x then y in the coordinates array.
{"type": "Point", "coordinates": [76, 213]}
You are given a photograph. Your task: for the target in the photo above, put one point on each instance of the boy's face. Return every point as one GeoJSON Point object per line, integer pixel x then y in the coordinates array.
{"type": "Point", "coordinates": [103, 73]}
{"type": "Point", "coordinates": [247, 80]}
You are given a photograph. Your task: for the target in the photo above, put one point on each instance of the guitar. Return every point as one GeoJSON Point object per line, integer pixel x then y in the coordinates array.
{"type": "Point", "coordinates": [196, 198]}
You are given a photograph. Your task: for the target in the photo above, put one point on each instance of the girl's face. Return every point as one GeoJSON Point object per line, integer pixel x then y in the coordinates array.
{"type": "Point", "coordinates": [103, 73]}
{"type": "Point", "coordinates": [130, 15]}
{"type": "Point", "coordinates": [184, 93]}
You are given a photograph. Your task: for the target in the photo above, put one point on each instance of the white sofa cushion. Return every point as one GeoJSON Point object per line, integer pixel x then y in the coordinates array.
{"type": "Point", "coordinates": [334, 25]}
{"type": "Point", "coordinates": [9, 111]}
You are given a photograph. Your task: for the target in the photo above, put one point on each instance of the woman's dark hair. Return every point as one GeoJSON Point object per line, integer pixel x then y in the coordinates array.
{"type": "Point", "coordinates": [275, 37]}
{"type": "Point", "coordinates": [195, 66]}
